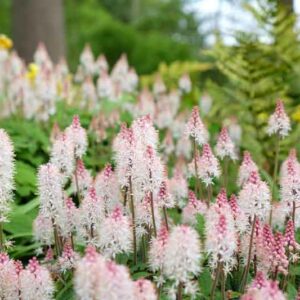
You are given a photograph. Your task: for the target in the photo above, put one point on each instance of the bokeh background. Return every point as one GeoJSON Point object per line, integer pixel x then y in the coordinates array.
{"type": "Point", "coordinates": [149, 31]}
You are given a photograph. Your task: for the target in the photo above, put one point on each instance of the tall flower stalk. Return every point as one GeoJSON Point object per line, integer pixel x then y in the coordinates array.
{"type": "Point", "coordinates": [195, 129]}
{"type": "Point", "coordinates": [225, 150]}
{"type": "Point", "coordinates": [7, 170]}
{"type": "Point", "coordinates": [249, 256]}
{"type": "Point", "coordinates": [278, 124]}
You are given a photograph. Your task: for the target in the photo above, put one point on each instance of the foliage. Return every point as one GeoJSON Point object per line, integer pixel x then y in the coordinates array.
{"type": "Point", "coordinates": [172, 72]}
{"type": "Point", "coordinates": [145, 49]}
{"type": "Point", "coordinates": [170, 18]}
{"type": "Point", "coordinates": [146, 41]}
{"type": "Point", "coordinates": [257, 72]}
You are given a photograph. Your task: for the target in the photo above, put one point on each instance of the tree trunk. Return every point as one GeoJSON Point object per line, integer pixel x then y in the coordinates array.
{"type": "Point", "coordinates": [37, 21]}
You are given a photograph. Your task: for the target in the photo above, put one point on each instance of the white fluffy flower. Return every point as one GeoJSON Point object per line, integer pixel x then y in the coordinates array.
{"type": "Point", "coordinates": [179, 187]}
{"type": "Point", "coordinates": [62, 155]}
{"type": "Point", "coordinates": [159, 86]}
{"type": "Point", "coordinates": [9, 289]}
{"type": "Point", "coordinates": [157, 249]}
{"type": "Point", "coordinates": [290, 183]}
{"type": "Point", "coordinates": [98, 279]}
{"type": "Point", "coordinates": [50, 191]}
{"type": "Point", "coordinates": [144, 290]}
{"type": "Point", "coordinates": [286, 165]}
{"type": "Point", "coordinates": [107, 187]}
{"type": "Point", "coordinates": [68, 258]}
{"type": "Point", "coordinates": [196, 129]}
{"type": "Point", "coordinates": [182, 260]}
{"type": "Point", "coordinates": [115, 283]}
{"type": "Point", "coordinates": [192, 209]}
{"type": "Point", "coordinates": [105, 87]}
{"type": "Point", "coordinates": [6, 174]}
{"type": "Point", "coordinates": [124, 147]}
{"type": "Point", "coordinates": [115, 235]}
{"type": "Point", "coordinates": [225, 147]}
{"type": "Point", "coordinates": [144, 132]}
{"type": "Point", "coordinates": [43, 230]}
{"type": "Point", "coordinates": [279, 122]}
{"type": "Point", "coordinates": [254, 198]}
{"type": "Point", "coordinates": [90, 215]}
{"type": "Point", "coordinates": [247, 166]}
{"type": "Point", "coordinates": [82, 179]}
{"type": "Point", "coordinates": [36, 282]}
{"type": "Point", "coordinates": [208, 166]}
{"type": "Point", "coordinates": [220, 236]}
{"type": "Point", "coordinates": [205, 103]}
{"type": "Point", "coordinates": [87, 275]}
{"type": "Point", "coordinates": [144, 220]}
{"type": "Point", "coordinates": [185, 83]}
{"type": "Point", "coordinates": [78, 136]}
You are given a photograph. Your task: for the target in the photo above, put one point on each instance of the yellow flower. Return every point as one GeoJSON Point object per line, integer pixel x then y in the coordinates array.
{"type": "Point", "coordinates": [33, 70]}
{"type": "Point", "coordinates": [296, 115]}
{"type": "Point", "coordinates": [5, 42]}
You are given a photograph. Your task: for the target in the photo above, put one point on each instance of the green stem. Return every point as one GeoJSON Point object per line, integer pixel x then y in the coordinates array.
{"type": "Point", "coordinates": [223, 281]}
{"type": "Point", "coordinates": [246, 271]}
{"type": "Point", "coordinates": [133, 222]}
{"type": "Point", "coordinates": [153, 216]}
{"type": "Point", "coordinates": [225, 176]}
{"type": "Point", "coordinates": [166, 217]}
{"type": "Point", "coordinates": [125, 193]}
{"type": "Point", "coordinates": [197, 182]}
{"type": "Point", "coordinates": [1, 238]}
{"type": "Point", "coordinates": [209, 194]}
{"type": "Point", "coordinates": [152, 208]}
{"type": "Point", "coordinates": [294, 212]}
{"type": "Point", "coordinates": [76, 182]}
{"type": "Point", "coordinates": [179, 292]}
{"type": "Point", "coordinates": [215, 282]}
{"type": "Point", "coordinates": [277, 150]}
{"type": "Point", "coordinates": [56, 239]}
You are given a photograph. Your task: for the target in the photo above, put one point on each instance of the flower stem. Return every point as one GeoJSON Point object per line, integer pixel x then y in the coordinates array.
{"type": "Point", "coordinates": [225, 176]}
{"type": "Point", "coordinates": [152, 212]}
{"type": "Point", "coordinates": [215, 282]}
{"type": "Point", "coordinates": [1, 238]}
{"type": "Point", "coordinates": [197, 181]}
{"type": "Point", "coordinates": [294, 212]}
{"type": "Point", "coordinates": [223, 280]}
{"type": "Point", "coordinates": [133, 222]}
{"type": "Point", "coordinates": [277, 150]}
{"type": "Point", "coordinates": [179, 292]}
{"type": "Point", "coordinates": [246, 271]}
{"type": "Point", "coordinates": [76, 182]}
{"type": "Point", "coordinates": [209, 194]}
{"type": "Point", "coordinates": [56, 239]}
{"type": "Point", "coordinates": [125, 193]}
{"type": "Point", "coordinates": [166, 217]}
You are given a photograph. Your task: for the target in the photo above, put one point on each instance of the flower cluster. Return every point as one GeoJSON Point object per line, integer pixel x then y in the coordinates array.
{"type": "Point", "coordinates": [141, 207]}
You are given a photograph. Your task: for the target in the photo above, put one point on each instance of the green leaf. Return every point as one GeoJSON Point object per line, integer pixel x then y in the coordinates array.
{"type": "Point", "coordinates": [141, 275]}
{"type": "Point", "coordinates": [200, 225]}
{"type": "Point", "coordinates": [205, 282]}
{"type": "Point", "coordinates": [19, 224]}
{"type": "Point", "coordinates": [67, 292]}
{"type": "Point", "coordinates": [291, 291]}
{"type": "Point", "coordinates": [25, 179]}
{"type": "Point", "coordinates": [294, 270]}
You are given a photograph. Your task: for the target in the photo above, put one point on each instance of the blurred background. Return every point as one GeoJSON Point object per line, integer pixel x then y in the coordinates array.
{"type": "Point", "coordinates": [149, 31]}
